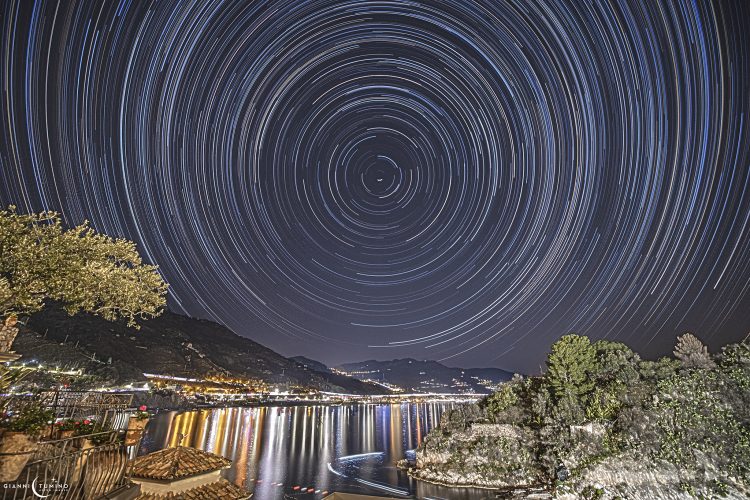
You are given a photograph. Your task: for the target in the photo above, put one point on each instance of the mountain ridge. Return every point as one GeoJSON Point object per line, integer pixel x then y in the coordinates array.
{"type": "Point", "coordinates": [171, 344]}
{"type": "Point", "coordinates": [413, 375]}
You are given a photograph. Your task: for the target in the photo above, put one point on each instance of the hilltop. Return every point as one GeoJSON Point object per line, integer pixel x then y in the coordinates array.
{"type": "Point", "coordinates": [311, 363]}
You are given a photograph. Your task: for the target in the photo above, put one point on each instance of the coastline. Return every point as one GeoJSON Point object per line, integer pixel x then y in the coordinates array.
{"type": "Point", "coordinates": [526, 491]}
{"type": "Point", "coordinates": [270, 404]}
{"type": "Point", "coordinates": [179, 402]}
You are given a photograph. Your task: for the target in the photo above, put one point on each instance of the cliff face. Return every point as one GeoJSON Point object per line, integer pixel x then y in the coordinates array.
{"type": "Point", "coordinates": [485, 455]}
{"type": "Point", "coordinates": [633, 476]}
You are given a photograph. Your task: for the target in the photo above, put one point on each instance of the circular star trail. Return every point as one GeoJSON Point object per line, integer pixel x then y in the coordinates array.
{"type": "Point", "coordinates": [443, 179]}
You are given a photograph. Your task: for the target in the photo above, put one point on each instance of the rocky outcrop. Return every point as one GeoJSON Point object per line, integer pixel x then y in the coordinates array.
{"type": "Point", "coordinates": [482, 455]}
{"type": "Point", "coordinates": [628, 476]}
{"type": "Point", "coordinates": [501, 457]}
{"type": "Point", "coordinates": [602, 424]}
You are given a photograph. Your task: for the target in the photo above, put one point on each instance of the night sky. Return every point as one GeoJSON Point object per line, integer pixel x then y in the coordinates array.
{"type": "Point", "coordinates": [454, 180]}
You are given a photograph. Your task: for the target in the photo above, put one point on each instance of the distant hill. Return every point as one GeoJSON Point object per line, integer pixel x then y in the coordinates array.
{"type": "Point", "coordinates": [311, 363]}
{"type": "Point", "coordinates": [171, 344]}
{"type": "Point", "coordinates": [427, 376]}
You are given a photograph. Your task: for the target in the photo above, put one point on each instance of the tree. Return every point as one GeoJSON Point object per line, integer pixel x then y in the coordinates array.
{"type": "Point", "coordinates": [571, 368]}
{"type": "Point", "coordinates": [570, 365]}
{"type": "Point", "coordinates": [497, 404]}
{"type": "Point", "coordinates": [616, 362]}
{"type": "Point", "coordinates": [84, 271]}
{"type": "Point", "coordinates": [653, 371]}
{"type": "Point", "coordinates": [605, 402]}
{"type": "Point", "coordinates": [692, 353]}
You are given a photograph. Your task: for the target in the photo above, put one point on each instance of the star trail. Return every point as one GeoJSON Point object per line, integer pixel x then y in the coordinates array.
{"type": "Point", "coordinates": [452, 180]}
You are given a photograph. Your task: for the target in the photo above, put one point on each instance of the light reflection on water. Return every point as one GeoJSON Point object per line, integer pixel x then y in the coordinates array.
{"type": "Point", "coordinates": [317, 449]}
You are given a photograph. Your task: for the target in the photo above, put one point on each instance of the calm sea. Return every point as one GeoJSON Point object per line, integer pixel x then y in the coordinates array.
{"type": "Point", "coordinates": [305, 452]}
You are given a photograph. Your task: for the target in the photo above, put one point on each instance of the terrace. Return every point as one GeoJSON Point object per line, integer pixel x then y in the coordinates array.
{"type": "Point", "coordinates": [91, 466]}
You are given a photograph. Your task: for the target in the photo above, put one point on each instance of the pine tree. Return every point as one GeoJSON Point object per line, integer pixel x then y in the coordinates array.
{"type": "Point", "coordinates": [570, 366]}
{"type": "Point", "coordinates": [692, 353]}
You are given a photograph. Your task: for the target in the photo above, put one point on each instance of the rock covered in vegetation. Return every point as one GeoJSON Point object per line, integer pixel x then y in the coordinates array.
{"type": "Point", "coordinates": [604, 424]}
{"type": "Point", "coordinates": [486, 455]}
{"type": "Point", "coordinates": [629, 476]}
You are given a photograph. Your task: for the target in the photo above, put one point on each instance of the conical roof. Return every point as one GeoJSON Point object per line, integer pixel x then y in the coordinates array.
{"type": "Point", "coordinates": [177, 463]}
{"type": "Point", "coordinates": [219, 490]}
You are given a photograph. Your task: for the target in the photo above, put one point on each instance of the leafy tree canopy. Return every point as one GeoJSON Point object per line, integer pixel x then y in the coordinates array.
{"type": "Point", "coordinates": [40, 260]}
{"type": "Point", "coordinates": [616, 362]}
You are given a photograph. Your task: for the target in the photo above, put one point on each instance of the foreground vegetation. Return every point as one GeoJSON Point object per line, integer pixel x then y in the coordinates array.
{"type": "Point", "coordinates": [603, 423]}
{"type": "Point", "coordinates": [82, 270]}
{"type": "Point", "coordinates": [77, 268]}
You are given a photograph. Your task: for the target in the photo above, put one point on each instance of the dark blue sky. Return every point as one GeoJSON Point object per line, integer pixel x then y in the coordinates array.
{"type": "Point", "coordinates": [450, 180]}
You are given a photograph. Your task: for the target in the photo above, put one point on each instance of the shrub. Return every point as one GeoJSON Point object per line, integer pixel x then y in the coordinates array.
{"type": "Point", "coordinates": [142, 413]}
{"type": "Point", "coordinates": [30, 419]}
{"type": "Point", "coordinates": [695, 422]}
{"type": "Point", "coordinates": [653, 371]}
{"type": "Point", "coordinates": [605, 402]}
{"type": "Point", "coordinates": [735, 355]}
{"type": "Point", "coordinates": [499, 406]}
